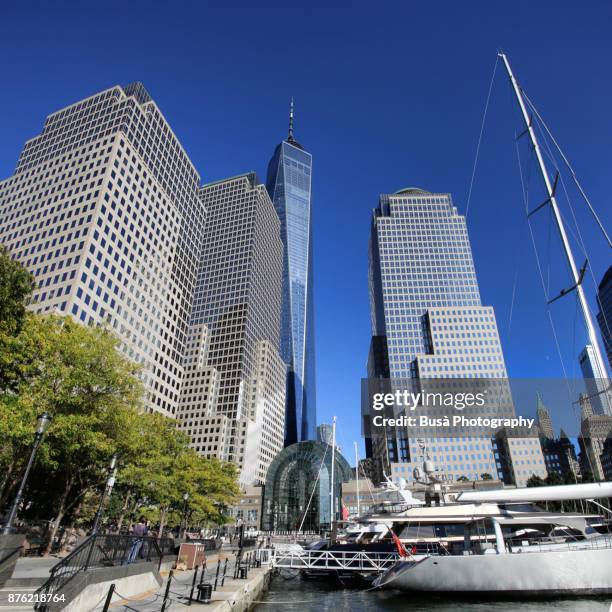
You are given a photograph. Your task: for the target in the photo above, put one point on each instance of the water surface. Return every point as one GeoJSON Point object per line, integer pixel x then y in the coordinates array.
{"type": "Point", "coordinates": [294, 594]}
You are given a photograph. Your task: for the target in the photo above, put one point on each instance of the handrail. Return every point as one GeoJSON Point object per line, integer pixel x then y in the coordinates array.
{"type": "Point", "coordinates": [99, 551]}
{"type": "Point", "coordinates": [331, 560]}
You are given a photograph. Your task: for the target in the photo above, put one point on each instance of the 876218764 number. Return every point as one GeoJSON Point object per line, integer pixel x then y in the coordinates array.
{"type": "Point", "coordinates": [33, 598]}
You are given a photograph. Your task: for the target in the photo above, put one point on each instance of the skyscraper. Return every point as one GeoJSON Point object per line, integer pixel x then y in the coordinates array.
{"type": "Point", "coordinates": [232, 401]}
{"type": "Point", "coordinates": [604, 316]}
{"type": "Point", "coordinates": [103, 209]}
{"type": "Point", "coordinates": [544, 420]}
{"type": "Point", "coordinates": [596, 382]}
{"type": "Point", "coordinates": [289, 186]}
{"type": "Point", "coordinates": [428, 322]}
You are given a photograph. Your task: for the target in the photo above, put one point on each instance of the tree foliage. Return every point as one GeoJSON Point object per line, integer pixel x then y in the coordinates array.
{"type": "Point", "coordinates": [77, 374]}
{"type": "Point", "coordinates": [16, 285]}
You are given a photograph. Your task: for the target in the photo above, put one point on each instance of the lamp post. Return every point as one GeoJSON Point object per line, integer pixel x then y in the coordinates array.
{"type": "Point", "coordinates": [108, 489]}
{"type": "Point", "coordinates": [43, 421]}
{"type": "Point", "coordinates": [184, 517]}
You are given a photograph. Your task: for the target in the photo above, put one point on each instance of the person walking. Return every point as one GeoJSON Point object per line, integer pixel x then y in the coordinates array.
{"type": "Point", "coordinates": [139, 532]}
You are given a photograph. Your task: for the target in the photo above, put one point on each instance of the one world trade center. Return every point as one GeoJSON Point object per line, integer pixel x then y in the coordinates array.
{"type": "Point", "coordinates": [289, 186]}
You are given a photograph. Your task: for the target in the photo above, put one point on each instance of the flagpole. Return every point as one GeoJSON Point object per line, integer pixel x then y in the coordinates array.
{"type": "Point", "coordinates": [332, 500]}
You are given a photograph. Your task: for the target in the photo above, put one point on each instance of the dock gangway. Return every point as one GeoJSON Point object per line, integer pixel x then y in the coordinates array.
{"type": "Point", "coordinates": [328, 560]}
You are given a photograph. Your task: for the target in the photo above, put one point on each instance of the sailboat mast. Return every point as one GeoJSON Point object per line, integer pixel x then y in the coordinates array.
{"type": "Point", "coordinates": [357, 478]}
{"type": "Point", "coordinates": [331, 485]}
{"type": "Point", "coordinates": [600, 364]}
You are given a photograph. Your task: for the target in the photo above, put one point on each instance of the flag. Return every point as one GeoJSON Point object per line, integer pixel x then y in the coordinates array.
{"type": "Point", "coordinates": [345, 512]}
{"type": "Point", "coordinates": [400, 547]}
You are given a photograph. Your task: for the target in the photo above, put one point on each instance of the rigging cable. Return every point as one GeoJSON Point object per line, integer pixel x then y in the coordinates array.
{"type": "Point", "coordinates": [578, 236]}
{"type": "Point", "coordinates": [526, 202]}
{"type": "Point", "coordinates": [569, 167]}
{"type": "Point", "coordinates": [314, 488]}
{"type": "Point", "coordinates": [482, 125]}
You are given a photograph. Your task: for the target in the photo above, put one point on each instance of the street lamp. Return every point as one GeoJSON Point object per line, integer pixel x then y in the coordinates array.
{"type": "Point", "coordinates": [108, 489]}
{"type": "Point", "coordinates": [43, 421]}
{"type": "Point", "coordinates": [183, 527]}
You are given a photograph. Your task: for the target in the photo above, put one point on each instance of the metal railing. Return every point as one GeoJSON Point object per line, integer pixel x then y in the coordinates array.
{"type": "Point", "coordinates": [100, 551]}
{"type": "Point", "coordinates": [559, 543]}
{"type": "Point", "coordinates": [329, 560]}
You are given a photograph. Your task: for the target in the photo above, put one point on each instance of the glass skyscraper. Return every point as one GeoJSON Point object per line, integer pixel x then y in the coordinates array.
{"type": "Point", "coordinates": [428, 322]}
{"type": "Point", "coordinates": [604, 316]}
{"type": "Point", "coordinates": [289, 186]}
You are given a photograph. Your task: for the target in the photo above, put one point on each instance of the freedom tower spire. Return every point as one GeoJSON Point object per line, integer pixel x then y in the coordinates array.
{"type": "Point", "coordinates": [289, 186]}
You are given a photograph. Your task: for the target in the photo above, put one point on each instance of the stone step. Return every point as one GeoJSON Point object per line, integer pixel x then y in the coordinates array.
{"type": "Point", "coordinates": [34, 581]}
{"type": "Point", "coordinates": [6, 590]}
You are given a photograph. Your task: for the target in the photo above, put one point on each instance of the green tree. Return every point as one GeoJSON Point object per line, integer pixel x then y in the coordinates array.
{"type": "Point", "coordinates": [158, 468]}
{"type": "Point", "coordinates": [486, 476]}
{"type": "Point", "coordinates": [536, 481]}
{"type": "Point", "coordinates": [92, 392]}
{"type": "Point", "coordinates": [16, 285]}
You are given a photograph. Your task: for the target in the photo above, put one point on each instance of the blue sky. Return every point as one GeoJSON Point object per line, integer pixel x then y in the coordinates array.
{"type": "Point", "coordinates": [388, 95]}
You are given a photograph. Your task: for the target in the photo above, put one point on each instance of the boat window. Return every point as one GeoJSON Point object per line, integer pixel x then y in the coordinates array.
{"type": "Point", "coordinates": [413, 532]}
{"type": "Point", "coordinates": [520, 507]}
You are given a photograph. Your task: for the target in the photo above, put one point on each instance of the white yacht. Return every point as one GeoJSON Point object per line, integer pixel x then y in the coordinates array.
{"type": "Point", "coordinates": [511, 550]}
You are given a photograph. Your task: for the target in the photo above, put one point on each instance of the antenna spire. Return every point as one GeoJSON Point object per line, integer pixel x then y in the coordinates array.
{"type": "Point", "coordinates": [290, 136]}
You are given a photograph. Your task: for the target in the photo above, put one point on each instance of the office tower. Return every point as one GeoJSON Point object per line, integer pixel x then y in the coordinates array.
{"type": "Point", "coordinates": [543, 420]}
{"type": "Point", "coordinates": [596, 382]}
{"type": "Point", "coordinates": [586, 409]}
{"type": "Point", "coordinates": [521, 455]}
{"type": "Point", "coordinates": [232, 401]}
{"type": "Point", "coordinates": [428, 322]}
{"type": "Point", "coordinates": [594, 431]}
{"type": "Point", "coordinates": [103, 209]}
{"type": "Point", "coordinates": [604, 316]}
{"type": "Point", "coordinates": [289, 186]}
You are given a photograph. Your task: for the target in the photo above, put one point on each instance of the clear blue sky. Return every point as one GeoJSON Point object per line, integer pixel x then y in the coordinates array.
{"type": "Point", "coordinates": [388, 95]}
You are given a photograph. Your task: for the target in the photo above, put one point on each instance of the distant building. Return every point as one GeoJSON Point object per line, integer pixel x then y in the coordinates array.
{"type": "Point", "coordinates": [520, 454]}
{"type": "Point", "coordinates": [594, 432]}
{"type": "Point", "coordinates": [604, 316]}
{"type": "Point", "coordinates": [369, 495]}
{"type": "Point", "coordinates": [606, 459]}
{"type": "Point", "coordinates": [559, 453]}
{"type": "Point", "coordinates": [560, 457]}
{"type": "Point", "coordinates": [325, 433]}
{"type": "Point", "coordinates": [596, 382]}
{"type": "Point", "coordinates": [586, 409]}
{"type": "Point", "coordinates": [246, 510]}
{"type": "Point", "coordinates": [544, 420]}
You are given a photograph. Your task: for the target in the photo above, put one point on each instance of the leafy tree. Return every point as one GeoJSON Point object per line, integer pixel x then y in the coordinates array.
{"type": "Point", "coordinates": [80, 378]}
{"type": "Point", "coordinates": [536, 481]}
{"type": "Point", "coordinates": [463, 479]}
{"type": "Point", "coordinates": [554, 478]}
{"type": "Point", "coordinates": [486, 476]}
{"type": "Point", "coordinates": [17, 426]}
{"type": "Point", "coordinates": [162, 468]}
{"type": "Point", "coordinates": [77, 374]}
{"type": "Point", "coordinates": [16, 285]}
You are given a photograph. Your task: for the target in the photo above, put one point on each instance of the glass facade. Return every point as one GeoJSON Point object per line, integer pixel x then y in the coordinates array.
{"type": "Point", "coordinates": [604, 316]}
{"type": "Point", "coordinates": [428, 322]}
{"type": "Point", "coordinates": [297, 491]}
{"type": "Point", "coordinates": [289, 186]}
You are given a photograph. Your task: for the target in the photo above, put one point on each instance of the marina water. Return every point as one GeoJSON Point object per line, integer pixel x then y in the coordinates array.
{"type": "Point", "coordinates": [294, 594]}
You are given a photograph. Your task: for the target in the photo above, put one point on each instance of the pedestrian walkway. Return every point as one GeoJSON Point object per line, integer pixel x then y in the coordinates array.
{"type": "Point", "coordinates": [179, 587]}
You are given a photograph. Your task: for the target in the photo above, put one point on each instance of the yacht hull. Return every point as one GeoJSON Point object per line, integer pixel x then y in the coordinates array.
{"type": "Point", "coordinates": [533, 574]}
